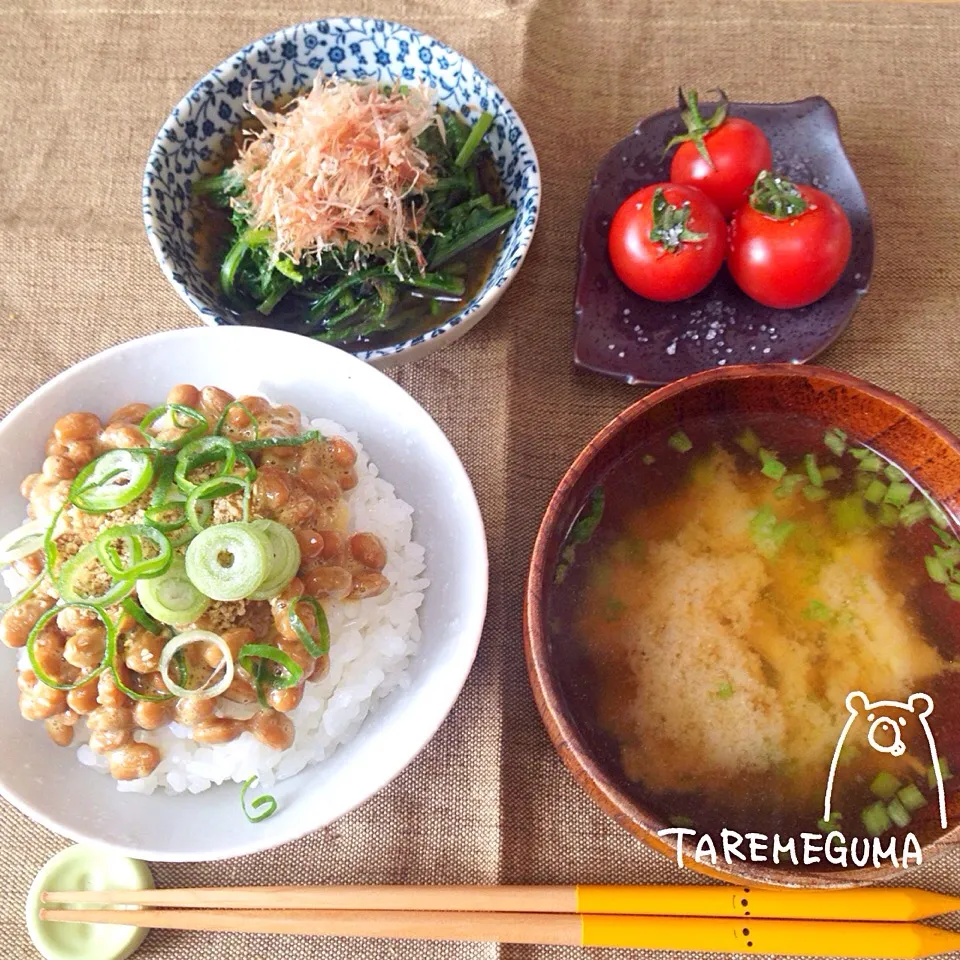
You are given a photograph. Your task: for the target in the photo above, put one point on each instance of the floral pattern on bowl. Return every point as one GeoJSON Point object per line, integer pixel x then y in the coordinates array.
{"type": "Point", "coordinates": [358, 48]}
{"type": "Point", "coordinates": [626, 336]}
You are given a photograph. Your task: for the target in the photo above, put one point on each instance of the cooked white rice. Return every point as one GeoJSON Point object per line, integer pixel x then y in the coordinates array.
{"type": "Point", "coordinates": [372, 643]}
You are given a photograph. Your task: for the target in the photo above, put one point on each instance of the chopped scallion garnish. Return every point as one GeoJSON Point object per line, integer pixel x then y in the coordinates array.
{"type": "Point", "coordinates": [875, 819]}
{"type": "Point", "coordinates": [898, 813]}
{"type": "Point", "coordinates": [813, 471]}
{"type": "Point", "coordinates": [899, 493]}
{"type": "Point", "coordinates": [771, 466]}
{"type": "Point", "coordinates": [814, 494]}
{"type": "Point", "coordinates": [265, 803]}
{"type": "Point", "coordinates": [913, 513]}
{"type": "Point", "coordinates": [936, 570]}
{"type": "Point", "coordinates": [884, 785]}
{"type": "Point", "coordinates": [911, 797]}
{"type": "Point", "coordinates": [817, 610]}
{"type": "Point", "coordinates": [945, 773]}
{"type": "Point", "coordinates": [836, 441]}
{"type": "Point", "coordinates": [875, 491]}
{"type": "Point", "coordinates": [680, 442]}
{"type": "Point", "coordinates": [790, 483]}
{"type": "Point", "coordinates": [749, 442]}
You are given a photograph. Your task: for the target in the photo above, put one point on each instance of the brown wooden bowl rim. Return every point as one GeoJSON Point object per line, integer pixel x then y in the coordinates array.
{"type": "Point", "coordinates": [575, 756]}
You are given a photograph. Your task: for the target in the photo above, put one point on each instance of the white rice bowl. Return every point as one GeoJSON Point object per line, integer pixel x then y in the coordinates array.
{"type": "Point", "coordinates": [372, 642]}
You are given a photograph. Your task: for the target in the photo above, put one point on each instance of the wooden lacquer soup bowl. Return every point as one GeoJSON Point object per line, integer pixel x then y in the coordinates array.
{"type": "Point", "coordinates": [868, 415]}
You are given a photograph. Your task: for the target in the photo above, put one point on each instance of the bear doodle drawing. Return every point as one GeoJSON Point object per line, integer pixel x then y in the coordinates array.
{"type": "Point", "coordinates": [886, 721]}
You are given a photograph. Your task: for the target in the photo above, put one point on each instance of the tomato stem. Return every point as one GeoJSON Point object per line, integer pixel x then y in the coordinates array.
{"type": "Point", "coordinates": [776, 196]}
{"type": "Point", "coordinates": [697, 126]}
{"type": "Point", "coordinates": [670, 228]}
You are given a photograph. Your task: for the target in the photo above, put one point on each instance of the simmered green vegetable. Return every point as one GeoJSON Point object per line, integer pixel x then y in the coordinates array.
{"type": "Point", "coordinates": [356, 291]}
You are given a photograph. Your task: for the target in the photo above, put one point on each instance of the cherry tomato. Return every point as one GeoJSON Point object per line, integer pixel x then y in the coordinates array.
{"type": "Point", "coordinates": [721, 155]}
{"type": "Point", "coordinates": [667, 242]}
{"type": "Point", "coordinates": [789, 244]}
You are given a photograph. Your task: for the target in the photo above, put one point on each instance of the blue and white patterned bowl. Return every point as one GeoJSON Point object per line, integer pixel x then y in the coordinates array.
{"type": "Point", "coordinates": [189, 143]}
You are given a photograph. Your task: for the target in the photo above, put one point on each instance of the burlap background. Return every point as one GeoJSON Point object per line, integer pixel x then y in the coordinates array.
{"type": "Point", "coordinates": [85, 87]}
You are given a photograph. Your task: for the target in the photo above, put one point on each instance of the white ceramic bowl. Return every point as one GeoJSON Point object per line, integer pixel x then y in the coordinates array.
{"type": "Point", "coordinates": [286, 62]}
{"type": "Point", "coordinates": [47, 782]}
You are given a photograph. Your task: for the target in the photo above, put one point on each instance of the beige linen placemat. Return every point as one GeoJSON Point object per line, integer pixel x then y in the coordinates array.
{"type": "Point", "coordinates": [87, 84]}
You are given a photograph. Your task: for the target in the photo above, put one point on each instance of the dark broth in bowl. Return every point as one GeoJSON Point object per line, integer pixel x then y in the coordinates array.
{"type": "Point", "coordinates": [725, 591]}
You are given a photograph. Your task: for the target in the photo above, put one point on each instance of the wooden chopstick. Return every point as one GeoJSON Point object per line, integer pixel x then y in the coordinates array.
{"type": "Point", "coordinates": [886, 904]}
{"type": "Point", "coordinates": [814, 938]}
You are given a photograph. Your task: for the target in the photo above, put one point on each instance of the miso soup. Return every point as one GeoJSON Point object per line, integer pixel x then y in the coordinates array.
{"type": "Point", "coordinates": [726, 593]}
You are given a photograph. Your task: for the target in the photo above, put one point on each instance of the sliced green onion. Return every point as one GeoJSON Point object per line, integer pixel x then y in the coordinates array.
{"type": "Point", "coordinates": [262, 652]}
{"type": "Point", "coordinates": [849, 514]}
{"type": "Point", "coordinates": [875, 491]}
{"type": "Point", "coordinates": [200, 452]}
{"type": "Point", "coordinates": [142, 617]}
{"type": "Point", "coordinates": [814, 494]}
{"type": "Point", "coordinates": [893, 473]}
{"type": "Point", "coordinates": [154, 515]}
{"type": "Point", "coordinates": [790, 483]}
{"type": "Point", "coordinates": [228, 561]}
{"type": "Point", "coordinates": [265, 443]}
{"type": "Point", "coordinates": [680, 442]}
{"type": "Point", "coordinates": [885, 785]}
{"type": "Point", "coordinates": [771, 466]}
{"type": "Point", "coordinates": [163, 479]}
{"type": "Point", "coordinates": [209, 489]}
{"type": "Point", "coordinates": [283, 558]}
{"type": "Point", "coordinates": [24, 594]}
{"type": "Point", "coordinates": [953, 591]}
{"type": "Point", "coordinates": [869, 462]}
{"type": "Point", "coordinates": [828, 826]}
{"type": "Point", "coordinates": [830, 472]}
{"type": "Point", "coordinates": [113, 480]}
{"type": "Point", "coordinates": [222, 422]}
{"type": "Point", "coordinates": [73, 570]}
{"type": "Point", "coordinates": [316, 648]}
{"type": "Point", "coordinates": [913, 513]}
{"type": "Point", "coordinates": [172, 598]}
{"type": "Point", "coordinates": [813, 471]}
{"type": "Point", "coordinates": [911, 797]}
{"type": "Point", "coordinates": [888, 515]}
{"type": "Point", "coordinates": [937, 515]}
{"type": "Point", "coordinates": [136, 535]}
{"type": "Point", "coordinates": [748, 441]}
{"type": "Point", "coordinates": [205, 692]}
{"type": "Point", "coordinates": [769, 535]}
{"type": "Point", "coordinates": [898, 813]}
{"type": "Point", "coordinates": [50, 542]}
{"type": "Point", "coordinates": [836, 441]}
{"type": "Point", "coordinates": [817, 610]}
{"type": "Point", "coordinates": [935, 570]}
{"type": "Point", "coordinates": [199, 428]}
{"type": "Point", "coordinates": [724, 691]}
{"type": "Point", "coordinates": [20, 543]}
{"type": "Point", "coordinates": [108, 626]}
{"type": "Point", "coordinates": [265, 802]}
{"type": "Point", "coordinates": [875, 818]}
{"type": "Point", "coordinates": [899, 493]}
{"type": "Point", "coordinates": [945, 773]}
{"type": "Point", "coordinates": [113, 651]}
